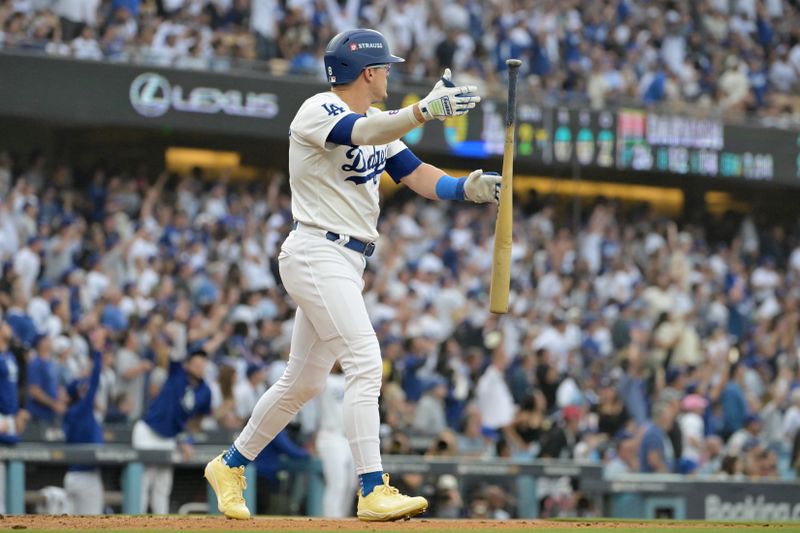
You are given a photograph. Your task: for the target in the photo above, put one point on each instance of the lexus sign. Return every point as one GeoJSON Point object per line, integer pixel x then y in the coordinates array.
{"type": "Point", "coordinates": [152, 95]}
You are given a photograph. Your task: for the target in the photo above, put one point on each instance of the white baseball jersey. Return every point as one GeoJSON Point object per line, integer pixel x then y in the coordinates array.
{"type": "Point", "coordinates": [335, 187]}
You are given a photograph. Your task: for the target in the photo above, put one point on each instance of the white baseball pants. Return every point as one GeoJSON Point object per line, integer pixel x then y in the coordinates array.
{"type": "Point", "coordinates": [331, 324]}
{"type": "Point", "coordinates": [85, 492]}
{"type": "Point", "coordinates": [156, 480]}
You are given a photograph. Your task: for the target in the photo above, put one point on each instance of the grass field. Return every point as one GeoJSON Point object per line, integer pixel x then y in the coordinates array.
{"type": "Point", "coordinates": [205, 524]}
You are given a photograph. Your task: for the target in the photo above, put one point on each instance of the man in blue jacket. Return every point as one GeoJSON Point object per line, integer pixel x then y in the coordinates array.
{"type": "Point", "coordinates": [84, 483]}
{"type": "Point", "coordinates": [183, 396]}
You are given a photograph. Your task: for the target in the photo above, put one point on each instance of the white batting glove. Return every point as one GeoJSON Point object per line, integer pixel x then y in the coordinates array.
{"type": "Point", "coordinates": [446, 100]}
{"type": "Point", "coordinates": [482, 187]}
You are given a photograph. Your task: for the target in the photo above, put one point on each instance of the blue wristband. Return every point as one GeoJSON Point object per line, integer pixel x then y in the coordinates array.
{"type": "Point", "coordinates": [450, 188]}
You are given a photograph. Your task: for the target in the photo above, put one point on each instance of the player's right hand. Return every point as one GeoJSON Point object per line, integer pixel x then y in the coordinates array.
{"type": "Point", "coordinates": [482, 187]}
{"type": "Point", "coordinates": [446, 100]}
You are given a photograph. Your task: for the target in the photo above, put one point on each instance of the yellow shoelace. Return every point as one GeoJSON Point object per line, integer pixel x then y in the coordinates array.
{"type": "Point", "coordinates": [241, 481]}
{"type": "Point", "coordinates": [388, 488]}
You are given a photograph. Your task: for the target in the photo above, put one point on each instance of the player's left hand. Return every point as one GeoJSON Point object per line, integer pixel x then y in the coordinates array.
{"type": "Point", "coordinates": [447, 100]}
{"type": "Point", "coordinates": [482, 187]}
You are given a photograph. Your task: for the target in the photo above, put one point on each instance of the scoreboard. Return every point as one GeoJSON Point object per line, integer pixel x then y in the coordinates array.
{"type": "Point", "coordinates": [630, 140]}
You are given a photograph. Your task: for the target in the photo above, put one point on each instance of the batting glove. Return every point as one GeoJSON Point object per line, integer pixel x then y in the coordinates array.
{"type": "Point", "coordinates": [446, 100]}
{"type": "Point", "coordinates": [482, 187]}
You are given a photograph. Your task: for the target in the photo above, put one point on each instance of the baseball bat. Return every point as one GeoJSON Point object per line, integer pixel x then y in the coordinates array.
{"type": "Point", "coordinates": [501, 260]}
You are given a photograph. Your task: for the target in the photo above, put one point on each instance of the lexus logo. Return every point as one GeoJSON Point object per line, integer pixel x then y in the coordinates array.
{"type": "Point", "coordinates": [152, 95]}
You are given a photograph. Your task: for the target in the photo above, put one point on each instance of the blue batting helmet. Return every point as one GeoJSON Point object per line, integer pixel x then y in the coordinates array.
{"type": "Point", "coordinates": [352, 51]}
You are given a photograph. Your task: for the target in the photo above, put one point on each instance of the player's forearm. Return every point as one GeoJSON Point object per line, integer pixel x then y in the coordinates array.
{"type": "Point", "coordinates": [423, 180]}
{"type": "Point", "coordinates": [385, 127]}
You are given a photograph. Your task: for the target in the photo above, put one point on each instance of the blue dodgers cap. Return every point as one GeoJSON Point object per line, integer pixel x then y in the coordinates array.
{"type": "Point", "coordinates": [350, 52]}
{"type": "Point", "coordinates": [751, 418]}
{"type": "Point", "coordinates": [252, 368]}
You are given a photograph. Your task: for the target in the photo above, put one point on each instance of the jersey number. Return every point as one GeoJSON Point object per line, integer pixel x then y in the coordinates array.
{"type": "Point", "coordinates": [332, 109]}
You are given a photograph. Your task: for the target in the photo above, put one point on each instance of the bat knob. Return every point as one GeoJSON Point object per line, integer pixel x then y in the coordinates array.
{"type": "Point", "coordinates": [513, 63]}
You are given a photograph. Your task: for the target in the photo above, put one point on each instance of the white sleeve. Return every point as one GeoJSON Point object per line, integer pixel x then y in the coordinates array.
{"type": "Point", "coordinates": [317, 117]}
{"type": "Point", "coordinates": [178, 333]}
{"type": "Point", "coordinates": [394, 148]}
{"type": "Point", "coordinates": [384, 127]}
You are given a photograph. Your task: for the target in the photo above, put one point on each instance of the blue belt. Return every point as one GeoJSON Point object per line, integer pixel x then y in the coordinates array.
{"type": "Point", "coordinates": [364, 248]}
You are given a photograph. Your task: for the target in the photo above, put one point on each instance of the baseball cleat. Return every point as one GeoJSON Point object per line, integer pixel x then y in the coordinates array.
{"type": "Point", "coordinates": [385, 503]}
{"type": "Point", "coordinates": [228, 484]}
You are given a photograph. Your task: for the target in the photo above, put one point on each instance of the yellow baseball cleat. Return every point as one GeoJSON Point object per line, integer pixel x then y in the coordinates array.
{"type": "Point", "coordinates": [228, 484]}
{"type": "Point", "coordinates": [385, 503]}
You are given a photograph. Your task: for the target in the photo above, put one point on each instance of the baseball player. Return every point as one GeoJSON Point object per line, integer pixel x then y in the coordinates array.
{"type": "Point", "coordinates": [339, 146]}
{"type": "Point", "coordinates": [83, 483]}
{"type": "Point", "coordinates": [183, 396]}
{"type": "Point", "coordinates": [333, 449]}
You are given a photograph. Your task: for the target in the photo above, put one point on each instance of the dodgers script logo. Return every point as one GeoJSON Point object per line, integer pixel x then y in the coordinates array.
{"type": "Point", "coordinates": [369, 167]}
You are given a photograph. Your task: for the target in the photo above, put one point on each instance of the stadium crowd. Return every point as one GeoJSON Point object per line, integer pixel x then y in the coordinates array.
{"type": "Point", "coordinates": [630, 342]}
{"type": "Point", "coordinates": [739, 56]}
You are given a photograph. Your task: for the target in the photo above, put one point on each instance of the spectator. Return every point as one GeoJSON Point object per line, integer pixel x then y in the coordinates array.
{"type": "Point", "coordinates": [734, 404]}
{"type": "Point", "coordinates": [132, 370]}
{"type": "Point", "coordinates": [74, 15]}
{"type": "Point", "coordinates": [612, 416]}
{"type": "Point", "coordinates": [184, 395]}
{"type": "Point", "coordinates": [529, 425]}
{"type": "Point", "coordinates": [791, 420]}
{"type": "Point", "coordinates": [693, 432]}
{"type": "Point", "coordinates": [560, 441]}
{"type": "Point", "coordinates": [447, 503]}
{"type": "Point", "coordinates": [12, 418]}
{"type": "Point", "coordinates": [655, 451]}
{"type": "Point", "coordinates": [85, 45]}
{"type": "Point", "coordinates": [268, 464]}
{"type": "Point", "coordinates": [430, 414]}
{"type": "Point", "coordinates": [83, 483]}
{"type": "Point", "coordinates": [46, 397]}
{"type": "Point", "coordinates": [334, 450]}
{"type": "Point", "coordinates": [247, 392]}
{"type": "Point", "coordinates": [223, 400]}
{"type": "Point", "coordinates": [492, 394]}
{"type": "Point", "coordinates": [27, 266]}
{"type": "Point", "coordinates": [595, 333]}
{"type": "Point", "coordinates": [733, 84]}
{"type": "Point", "coordinates": [472, 440]}
{"type": "Point", "coordinates": [625, 460]}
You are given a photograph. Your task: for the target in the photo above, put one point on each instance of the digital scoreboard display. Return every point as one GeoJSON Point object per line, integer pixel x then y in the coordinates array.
{"type": "Point", "coordinates": [634, 140]}
{"type": "Point", "coordinates": [650, 141]}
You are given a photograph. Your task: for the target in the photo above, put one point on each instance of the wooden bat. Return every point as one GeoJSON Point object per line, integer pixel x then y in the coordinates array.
{"type": "Point", "coordinates": [501, 261]}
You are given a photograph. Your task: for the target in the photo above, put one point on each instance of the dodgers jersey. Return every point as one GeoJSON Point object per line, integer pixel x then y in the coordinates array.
{"type": "Point", "coordinates": [177, 402]}
{"type": "Point", "coordinates": [9, 378]}
{"type": "Point", "coordinates": [335, 186]}
{"type": "Point", "coordinates": [80, 426]}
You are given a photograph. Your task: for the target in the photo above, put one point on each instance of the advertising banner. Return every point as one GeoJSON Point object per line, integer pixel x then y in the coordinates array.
{"type": "Point", "coordinates": [259, 106]}
{"type": "Point", "coordinates": [723, 500]}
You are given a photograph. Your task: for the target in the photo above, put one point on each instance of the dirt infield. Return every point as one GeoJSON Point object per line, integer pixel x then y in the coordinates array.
{"type": "Point", "coordinates": [209, 523]}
